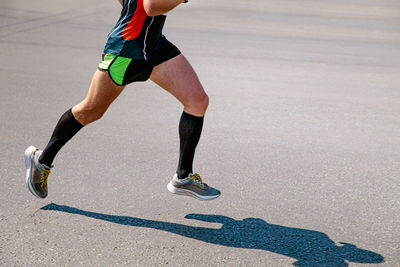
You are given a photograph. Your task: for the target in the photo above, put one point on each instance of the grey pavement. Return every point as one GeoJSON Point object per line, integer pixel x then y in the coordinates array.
{"type": "Point", "coordinates": [302, 136]}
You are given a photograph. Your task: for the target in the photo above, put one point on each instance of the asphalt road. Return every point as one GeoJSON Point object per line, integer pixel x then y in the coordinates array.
{"type": "Point", "coordinates": [302, 136]}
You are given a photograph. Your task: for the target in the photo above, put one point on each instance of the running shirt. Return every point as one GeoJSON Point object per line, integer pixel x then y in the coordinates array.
{"type": "Point", "coordinates": [136, 35]}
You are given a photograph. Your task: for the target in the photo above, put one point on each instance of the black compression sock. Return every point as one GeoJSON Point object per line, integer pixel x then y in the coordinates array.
{"type": "Point", "coordinates": [65, 129]}
{"type": "Point", "coordinates": [189, 132]}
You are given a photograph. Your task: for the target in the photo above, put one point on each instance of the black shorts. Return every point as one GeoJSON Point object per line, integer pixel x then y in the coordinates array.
{"type": "Point", "coordinates": [124, 70]}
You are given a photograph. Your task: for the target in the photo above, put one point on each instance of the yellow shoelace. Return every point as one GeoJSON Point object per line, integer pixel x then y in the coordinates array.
{"type": "Point", "coordinates": [196, 178]}
{"type": "Point", "coordinates": [45, 174]}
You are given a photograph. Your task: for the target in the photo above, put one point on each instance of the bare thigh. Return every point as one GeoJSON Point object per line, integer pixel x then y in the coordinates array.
{"type": "Point", "coordinates": [178, 77]}
{"type": "Point", "coordinates": [102, 92]}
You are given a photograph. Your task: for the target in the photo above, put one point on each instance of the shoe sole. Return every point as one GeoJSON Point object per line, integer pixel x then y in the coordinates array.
{"type": "Point", "coordinates": [185, 192]}
{"type": "Point", "coordinates": [28, 165]}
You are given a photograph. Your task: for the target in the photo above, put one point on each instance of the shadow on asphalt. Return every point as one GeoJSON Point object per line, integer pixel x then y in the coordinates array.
{"type": "Point", "coordinates": [309, 248]}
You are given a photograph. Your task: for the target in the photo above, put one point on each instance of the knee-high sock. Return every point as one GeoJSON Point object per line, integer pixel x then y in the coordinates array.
{"type": "Point", "coordinates": [65, 129]}
{"type": "Point", "coordinates": [189, 133]}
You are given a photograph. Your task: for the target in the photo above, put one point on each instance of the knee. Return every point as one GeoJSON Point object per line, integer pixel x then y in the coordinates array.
{"type": "Point", "coordinates": [203, 102]}
{"type": "Point", "coordinates": [198, 105]}
{"type": "Point", "coordinates": [86, 114]}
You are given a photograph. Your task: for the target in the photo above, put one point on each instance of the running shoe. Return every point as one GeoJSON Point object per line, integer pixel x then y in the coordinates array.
{"type": "Point", "coordinates": [192, 186]}
{"type": "Point", "coordinates": [36, 173]}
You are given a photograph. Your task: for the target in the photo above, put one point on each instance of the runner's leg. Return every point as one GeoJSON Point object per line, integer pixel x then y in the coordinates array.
{"type": "Point", "coordinates": [102, 92]}
{"type": "Point", "coordinates": [178, 77]}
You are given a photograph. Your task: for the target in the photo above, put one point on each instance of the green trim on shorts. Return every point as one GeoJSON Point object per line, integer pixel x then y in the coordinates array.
{"type": "Point", "coordinates": [108, 58]}
{"type": "Point", "coordinates": [116, 67]}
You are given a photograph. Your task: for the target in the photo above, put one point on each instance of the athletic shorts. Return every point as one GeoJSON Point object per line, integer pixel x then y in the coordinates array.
{"type": "Point", "coordinates": [124, 70]}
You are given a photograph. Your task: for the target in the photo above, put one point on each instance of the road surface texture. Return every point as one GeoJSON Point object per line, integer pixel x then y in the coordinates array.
{"type": "Point", "coordinates": [302, 136]}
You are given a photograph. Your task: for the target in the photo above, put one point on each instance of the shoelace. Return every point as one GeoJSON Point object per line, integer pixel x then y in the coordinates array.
{"type": "Point", "coordinates": [196, 178]}
{"type": "Point", "coordinates": [45, 173]}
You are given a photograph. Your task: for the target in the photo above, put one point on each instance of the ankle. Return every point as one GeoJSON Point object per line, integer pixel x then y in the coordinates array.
{"type": "Point", "coordinates": [182, 174]}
